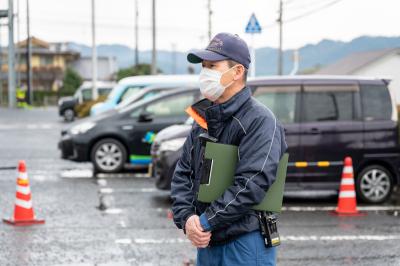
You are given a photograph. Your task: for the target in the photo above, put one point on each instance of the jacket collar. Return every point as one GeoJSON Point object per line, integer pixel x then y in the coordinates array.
{"type": "Point", "coordinates": [211, 116]}
{"type": "Point", "coordinates": [224, 111]}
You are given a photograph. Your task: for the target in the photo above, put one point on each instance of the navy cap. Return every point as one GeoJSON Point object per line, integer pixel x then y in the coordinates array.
{"type": "Point", "coordinates": [224, 46]}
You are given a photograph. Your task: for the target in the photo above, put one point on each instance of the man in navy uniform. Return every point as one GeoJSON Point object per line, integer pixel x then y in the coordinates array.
{"type": "Point", "coordinates": [227, 231]}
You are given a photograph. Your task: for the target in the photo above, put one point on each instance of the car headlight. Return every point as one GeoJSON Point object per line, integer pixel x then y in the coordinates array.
{"type": "Point", "coordinates": [172, 145]}
{"type": "Point", "coordinates": [82, 128]}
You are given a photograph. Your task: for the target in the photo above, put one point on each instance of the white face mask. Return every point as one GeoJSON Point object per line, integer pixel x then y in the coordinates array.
{"type": "Point", "coordinates": [210, 83]}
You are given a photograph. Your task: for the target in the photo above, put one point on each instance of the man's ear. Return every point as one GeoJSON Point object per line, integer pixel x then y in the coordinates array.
{"type": "Point", "coordinates": [239, 72]}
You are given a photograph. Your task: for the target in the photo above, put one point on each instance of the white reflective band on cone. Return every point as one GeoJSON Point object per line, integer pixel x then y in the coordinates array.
{"type": "Point", "coordinates": [348, 170]}
{"type": "Point", "coordinates": [347, 194]}
{"type": "Point", "coordinates": [23, 176]}
{"type": "Point", "coordinates": [347, 181]}
{"type": "Point", "coordinates": [23, 203]}
{"type": "Point", "coordinates": [23, 190]}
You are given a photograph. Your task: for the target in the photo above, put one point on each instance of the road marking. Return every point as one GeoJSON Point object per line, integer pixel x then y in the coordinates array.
{"type": "Point", "coordinates": [28, 126]}
{"type": "Point", "coordinates": [102, 182]}
{"type": "Point", "coordinates": [77, 173]}
{"type": "Point", "coordinates": [332, 208]}
{"type": "Point", "coordinates": [123, 241]}
{"type": "Point", "coordinates": [112, 211]}
{"type": "Point", "coordinates": [133, 190]}
{"type": "Point", "coordinates": [106, 190]}
{"type": "Point", "coordinates": [342, 238]}
{"type": "Point", "coordinates": [122, 175]}
{"type": "Point", "coordinates": [160, 240]}
{"type": "Point", "coordinates": [122, 224]}
{"type": "Point", "coordinates": [283, 238]}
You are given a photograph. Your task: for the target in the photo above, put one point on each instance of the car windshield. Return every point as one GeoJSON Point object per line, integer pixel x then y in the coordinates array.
{"type": "Point", "coordinates": [136, 97]}
{"type": "Point", "coordinates": [115, 91]}
{"type": "Point", "coordinates": [127, 90]}
{"type": "Point", "coordinates": [86, 94]}
{"type": "Point", "coordinates": [132, 106]}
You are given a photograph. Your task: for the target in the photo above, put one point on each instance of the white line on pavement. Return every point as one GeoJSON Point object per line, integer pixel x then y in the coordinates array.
{"type": "Point", "coordinates": [102, 182]}
{"type": "Point", "coordinates": [122, 224]}
{"type": "Point", "coordinates": [106, 190]}
{"type": "Point", "coordinates": [133, 190]}
{"type": "Point", "coordinates": [123, 175]}
{"type": "Point", "coordinates": [341, 238]}
{"type": "Point", "coordinates": [123, 241]}
{"type": "Point", "coordinates": [113, 211]}
{"type": "Point", "coordinates": [283, 238]}
{"type": "Point", "coordinates": [77, 173]}
{"type": "Point", "coordinates": [332, 208]}
{"type": "Point", "coordinates": [27, 126]}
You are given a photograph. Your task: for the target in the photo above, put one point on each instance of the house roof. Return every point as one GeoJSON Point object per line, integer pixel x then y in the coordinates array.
{"type": "Point", "coordinates": [36, 42]}
{"type": "Point", "coordinates": [349, 64]}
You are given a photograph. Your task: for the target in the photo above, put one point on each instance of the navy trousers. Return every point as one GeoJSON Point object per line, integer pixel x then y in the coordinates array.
{"type": "Point", "coordinates": [248, 249]}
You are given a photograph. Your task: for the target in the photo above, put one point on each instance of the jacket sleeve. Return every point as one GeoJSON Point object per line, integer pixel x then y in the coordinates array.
{"type": "Point", "coordinates": [182, 186]}
{"type": "Point", "coordinates": [260, 150]}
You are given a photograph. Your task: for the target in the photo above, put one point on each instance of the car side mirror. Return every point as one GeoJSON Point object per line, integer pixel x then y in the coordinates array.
{"type": "Point", "coordinates": [145, 116]}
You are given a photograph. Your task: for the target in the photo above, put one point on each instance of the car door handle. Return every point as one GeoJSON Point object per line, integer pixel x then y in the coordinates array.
{"type": "Point", "coordinates": [315, 131]}
{"type": "Point", "coordinates": [127, 127]}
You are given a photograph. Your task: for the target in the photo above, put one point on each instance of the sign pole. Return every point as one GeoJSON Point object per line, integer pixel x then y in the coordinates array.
{"type": "Point", "coordinates": [253, 27]}
{"type": "Point", "coordinates": [253, 57]}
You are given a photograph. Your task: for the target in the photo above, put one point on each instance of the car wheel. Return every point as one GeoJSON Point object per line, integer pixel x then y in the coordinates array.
{"type": "Point", "coordinates": [108, 156]}
{"type": "Point", "coordinates": [69, 115]}
{"type": "Point", "coordinates": [374, 184]}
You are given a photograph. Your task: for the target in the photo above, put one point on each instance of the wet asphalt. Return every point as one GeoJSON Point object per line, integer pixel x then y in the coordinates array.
{"type": "Point", "coordinates": [123, 219]}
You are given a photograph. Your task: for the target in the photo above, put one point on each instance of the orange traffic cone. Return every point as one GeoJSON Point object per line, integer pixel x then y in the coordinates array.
{"type": "Point", "coordinates": [23, 212]}
{"type": "Point", "coordinates": [347, 203]}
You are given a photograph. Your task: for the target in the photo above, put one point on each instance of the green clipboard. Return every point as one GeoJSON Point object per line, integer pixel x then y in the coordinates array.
{"type": "Point", "coordinates": [220, 164]}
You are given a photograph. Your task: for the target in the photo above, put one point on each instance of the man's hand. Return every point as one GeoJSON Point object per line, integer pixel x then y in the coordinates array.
{"type": "Point", "coordinates": [195, 233]}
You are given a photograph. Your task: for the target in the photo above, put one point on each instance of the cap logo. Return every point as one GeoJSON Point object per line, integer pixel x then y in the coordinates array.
{"type": "Point", "coordinates": [215, 45]}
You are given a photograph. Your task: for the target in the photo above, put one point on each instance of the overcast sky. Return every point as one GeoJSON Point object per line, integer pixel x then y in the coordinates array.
{"type": "Point", "coordinates": [184, 23]}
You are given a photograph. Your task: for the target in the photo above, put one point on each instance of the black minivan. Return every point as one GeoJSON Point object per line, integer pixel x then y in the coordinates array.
{"type": "Point", "coordinates": [327, 118]}
{"type": "Point", "coordinates": [123, 136]}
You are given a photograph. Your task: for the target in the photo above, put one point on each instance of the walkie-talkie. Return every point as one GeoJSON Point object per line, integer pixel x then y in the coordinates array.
{"type": "Point", "coordinates": [206, 163]}
{"type": "Point", "coordinates": [269, 229]}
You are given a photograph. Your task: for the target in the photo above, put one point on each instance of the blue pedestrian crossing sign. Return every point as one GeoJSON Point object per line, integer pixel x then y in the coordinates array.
{"type": "Point", "coordinates": [253, 26]}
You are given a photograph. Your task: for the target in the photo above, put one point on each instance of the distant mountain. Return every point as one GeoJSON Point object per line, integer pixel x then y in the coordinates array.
{"type": "Point", "coordinates": [311, 56]}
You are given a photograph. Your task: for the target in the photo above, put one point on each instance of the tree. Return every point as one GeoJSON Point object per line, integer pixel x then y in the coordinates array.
{"type": "Point", "coordinates": [140, 69]}
{"type": "Point", "coordinates": [72, 80]}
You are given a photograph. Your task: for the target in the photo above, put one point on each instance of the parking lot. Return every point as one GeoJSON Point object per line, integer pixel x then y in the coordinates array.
{"type": "Point", "coordinates": [124, 220]}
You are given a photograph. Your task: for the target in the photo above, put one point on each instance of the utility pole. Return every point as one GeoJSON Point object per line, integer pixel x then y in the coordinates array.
{"type": "Point", "coordinates": [280, 21]}
{"type": "Point", "coordinates": [18, 50]}
{"type": "Point", "coordinates": [11, 56]}
{"type": "Point", "coordinates": [28, 56]}
{"type": "Point", "coordinates": [136, 33]}
{"type": "Point", "coordinates": [296, 62]}
{"type": "Point", "coordinates": [153, 53]}
{"type": "Point", "coordinates": [209, 20]}
{"type": "Point", "coordinates": [94, 55]}
{"type": "Point", "coordinates": [1, 69]}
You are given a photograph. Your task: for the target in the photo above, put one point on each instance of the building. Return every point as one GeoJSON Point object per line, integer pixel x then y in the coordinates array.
{"type": "Point", "coordinates": [49, 62]}
{"type": "Point", "coordinates": [379, 63]}
{"type": "Point", "coordinates": [106, 67]}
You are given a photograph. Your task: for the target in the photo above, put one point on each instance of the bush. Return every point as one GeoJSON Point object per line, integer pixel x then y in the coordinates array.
{"type": "Point", "coordinates": [72, 80]}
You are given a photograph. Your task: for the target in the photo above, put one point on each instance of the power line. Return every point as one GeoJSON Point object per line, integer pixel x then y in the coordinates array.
{"type": "Point", "coordinates": [306, 14]}
{"type": "Point", "coordinates": [272, 25]}
{"type": "Point", "coordinates": [307, 5]}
